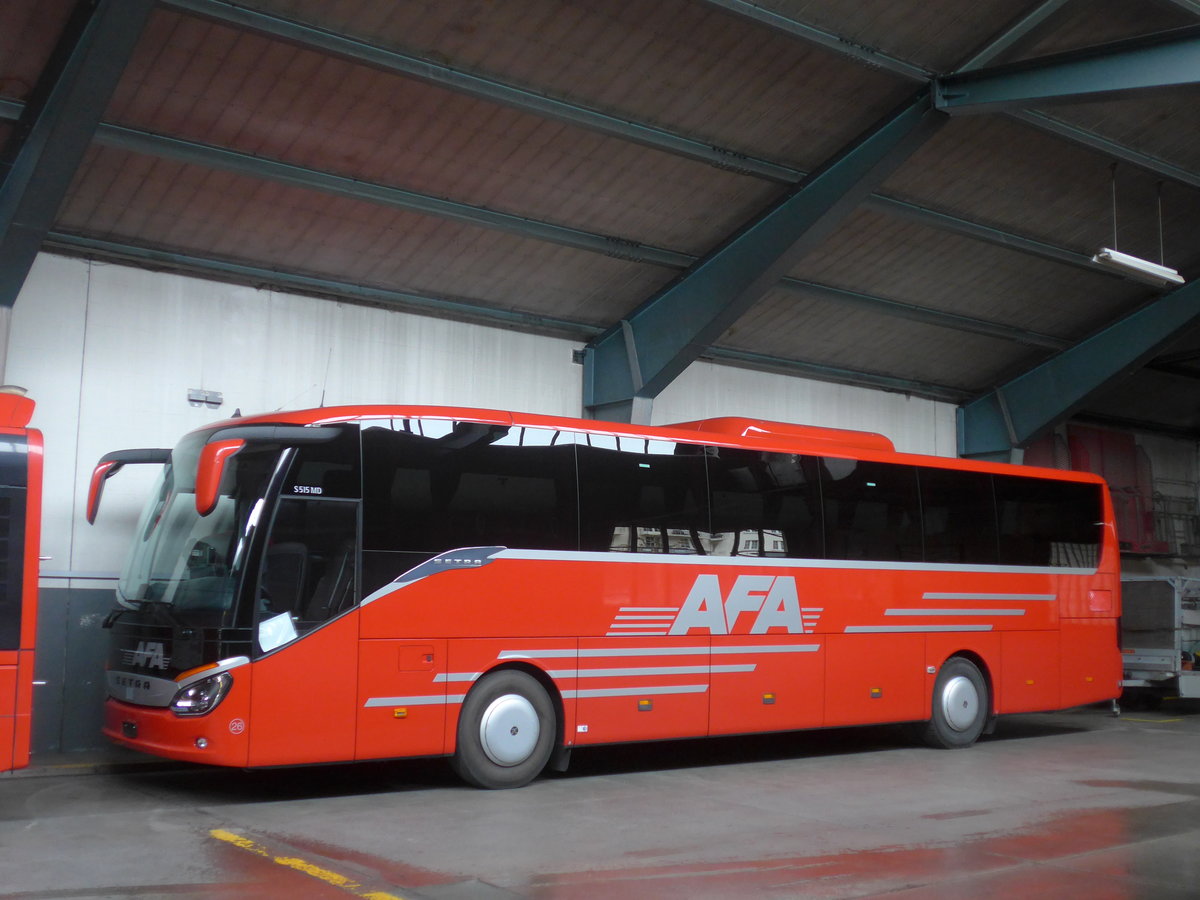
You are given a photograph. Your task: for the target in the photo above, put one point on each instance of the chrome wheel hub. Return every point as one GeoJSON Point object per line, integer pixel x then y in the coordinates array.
{"type": "Point", "coordinates": [960, 703]}
{"type": "Point", "coordinates": [509, 730]}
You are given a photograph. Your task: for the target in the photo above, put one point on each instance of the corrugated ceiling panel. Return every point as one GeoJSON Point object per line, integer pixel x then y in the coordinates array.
{"type": "Point", "coordinates": [940, 36]}
{"type": "Point", "coordinates": [211, 84]}
{"type": "Point", "coordinates": [888, 257]}
{"type": "Point", "coordinates": [29, 29]}
{"type": "Point", "coordinates": [680, 64]}
{"type": "Point", "coordinates": [123, 196]}
{"type": "Point", "coordinates": [814, 330]}
{"type": "Point", "coordinates": [1164, 125]}
{"type": "Point", "coordinates": [997, 170]}
{"type": "Point", "coordinates": [1079, 25]}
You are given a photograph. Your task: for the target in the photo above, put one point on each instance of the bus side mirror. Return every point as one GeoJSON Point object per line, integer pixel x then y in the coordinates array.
{"type": "Point", "coordinates": [100, 474]}
{"type": "Point", "coordinates": [110, 464]}
{"type": "Point", "coordinates": [209, 471]}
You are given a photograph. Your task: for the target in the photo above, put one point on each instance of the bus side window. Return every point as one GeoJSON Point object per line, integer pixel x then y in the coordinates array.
{"type": "Point", "coordinates": [765, 504]}
{"type": "Point", "coordinates": [959, 516]}
{"type": "Point", "coordinates": [1048, 523]}
{"type": "Point", "coordinates": [310, 565]}
{"type": "Point", "coordinates": [872, 510]}
{"type": "Point", "coordinates": [429, 489]}
{"type": "Point", "coordinates": [642, 496]}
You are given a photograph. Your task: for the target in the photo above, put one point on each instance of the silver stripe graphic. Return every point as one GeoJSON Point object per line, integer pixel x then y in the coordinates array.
{"type": "Point", "coordinates": [1020, 598]}
{"type": "Point", "coordinates": [636, 692]}
{"type": "Point", "coordinates": [767, 562]}
{"type": "Point", "coordinates": [652, 670]}
{"type": "Point", "coordinates": [768, 648]}
{"type": "Point", "coordinates": [601, 653]}
{"type": "Point", "coordinates": [415, 701]}
{"type": "Point", "coordinates": [650, 609]}
{"type": "Point", "coordinates": [954, 612]}
{"type": "Point", "coordinates": [461, 558]}
{"type": "Point", "coordinates": [623, 618]}
{"type": "Point", "coordinates": [912, 629]}
{"type": "Point", "coordinates": [456, 676]}
{"type": "Point", "coordinates": [661, 633]}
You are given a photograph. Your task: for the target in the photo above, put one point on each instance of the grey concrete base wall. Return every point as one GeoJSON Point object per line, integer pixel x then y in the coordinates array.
{"type": "Point", "coordinates": [68, 700]}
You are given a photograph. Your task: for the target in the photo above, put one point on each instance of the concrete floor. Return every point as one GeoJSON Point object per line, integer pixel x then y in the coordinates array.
{"type": "Point", "coordinates": [1076, 804]}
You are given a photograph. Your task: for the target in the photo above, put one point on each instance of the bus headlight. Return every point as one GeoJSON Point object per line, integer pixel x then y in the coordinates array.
{"type": "Point", "coordinates": [202, 696]}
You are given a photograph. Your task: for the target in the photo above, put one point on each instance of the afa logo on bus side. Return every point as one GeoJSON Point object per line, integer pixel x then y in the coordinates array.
{"type": "Point", "coordinates": [764, 603]}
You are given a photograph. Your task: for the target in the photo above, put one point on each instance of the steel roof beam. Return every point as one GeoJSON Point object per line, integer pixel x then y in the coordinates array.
{"type": "Point", "coordinates": [1017, 30]}
{"type": "Point", "coordinates": [625, 368]}
{"type": "Point", "coordinates": [925, 315]}
{"type": "Point", "coordinates": [146, 142]}
{"type": "Point", "coordinates": [55, 128]}
{"type": "Point", "coordinates": [941, 221]}
{"type": "Point", "coordinates": [916, 73]}
{"type": "Point", "coordinates": [243, 163]}
{"type": "Point", "coordinates": [836, 374]}
{"type": "Point", "coordinates": [875, 59]}
{"type": "Point", "coordinates": [1110, 148]}
{"type": "Point", "coordinates": [596, 120]}
{"type": "Point", "coordinates": [431, 72]}
{"type": "Point", "coordinates": [262, 277]}
{"type": "Point", "coordinates": [1020, 411]}
{"type": "Point", "coordinates": [229, 160]}
{"type": "Point", "coordinates": [1164, 60]}
{"type": "Point", "coordinates": [240, 163]}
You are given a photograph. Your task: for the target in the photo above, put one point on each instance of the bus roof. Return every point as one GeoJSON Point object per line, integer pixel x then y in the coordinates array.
{"type": "Point", "coordinates": [725, 431]}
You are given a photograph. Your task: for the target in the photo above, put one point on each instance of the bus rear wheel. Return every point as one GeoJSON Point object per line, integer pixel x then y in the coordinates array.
{"type": "Point", "coordinates": [506, 731]}
{"type": "Point", "coordinates": [960, 706]}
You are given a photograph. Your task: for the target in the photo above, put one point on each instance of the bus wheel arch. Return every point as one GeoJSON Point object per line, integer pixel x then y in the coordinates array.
{"type": "Point", "coordinates": [961, 707]}
{"type": "Point", "coordinates": [508, 729]}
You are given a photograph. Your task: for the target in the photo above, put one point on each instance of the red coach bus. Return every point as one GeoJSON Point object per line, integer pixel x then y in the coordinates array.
{"type": "Point", "coordinates": [20, 529]}
{"type": "Point", "coordinates": [377, 582]}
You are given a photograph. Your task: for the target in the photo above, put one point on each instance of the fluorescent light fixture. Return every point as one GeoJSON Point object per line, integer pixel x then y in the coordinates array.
{"type": "Point", "coordinates": [1136, 267]}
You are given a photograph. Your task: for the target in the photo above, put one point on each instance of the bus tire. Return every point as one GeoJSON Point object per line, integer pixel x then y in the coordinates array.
{"type": "Point", "coordinates": [506, 731]}
{"type": "Point", "coordinates": [961, 704]}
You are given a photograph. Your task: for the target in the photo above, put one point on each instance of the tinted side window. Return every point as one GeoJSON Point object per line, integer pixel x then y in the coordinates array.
{"type": "Point", "coordinates": [872, 510]}
{"type": "Point", "coordinates": [642, 496]}
{"type": "Point", "coordinates": [765, 504]}
{"type": "Point", "coordinates": [14, 477]}
{"type": "Point", "coordinates": [959, 516]}
{"type": "Point", "coordinates": [467, 485]}
{"type": "Point", "coordinates": [1047, 523]}
{"type": "Point", "coordinates": [12, 549]}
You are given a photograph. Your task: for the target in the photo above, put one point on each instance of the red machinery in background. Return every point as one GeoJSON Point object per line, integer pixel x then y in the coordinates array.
{"type": "Point", "coordinates": [20, 528]}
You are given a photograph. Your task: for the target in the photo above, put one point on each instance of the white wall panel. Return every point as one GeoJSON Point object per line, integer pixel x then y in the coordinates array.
{"type": "Point", "coordinates": [109, 353]}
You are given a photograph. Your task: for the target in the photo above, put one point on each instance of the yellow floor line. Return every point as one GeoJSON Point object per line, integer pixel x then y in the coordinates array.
{"type": "Point", "coordinates": [301, 865]}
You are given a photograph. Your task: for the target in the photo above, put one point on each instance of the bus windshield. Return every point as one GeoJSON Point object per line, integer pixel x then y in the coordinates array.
{"type": "Point", "coordinates": [189, 561]}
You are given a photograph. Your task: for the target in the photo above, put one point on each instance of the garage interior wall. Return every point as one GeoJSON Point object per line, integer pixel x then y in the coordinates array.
{"type": "Point", "coordinates": [109, 353]}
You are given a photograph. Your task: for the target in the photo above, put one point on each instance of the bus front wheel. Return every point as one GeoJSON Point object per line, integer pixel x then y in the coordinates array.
{"type": "Point", "coordinates": [506, 731]}
{"type": "Point", "coordinates": [960, 706]}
